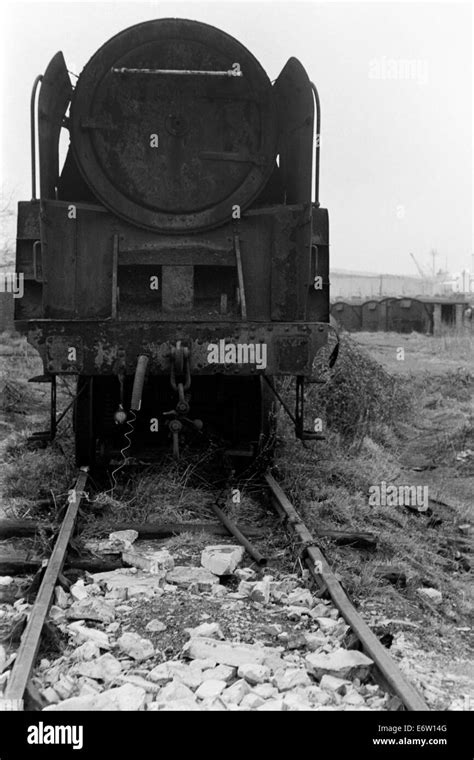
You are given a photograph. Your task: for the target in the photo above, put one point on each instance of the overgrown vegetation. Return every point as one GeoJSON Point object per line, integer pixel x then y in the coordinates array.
{"type": "Point", "coordinates": [360, 398]}
{"type": "Point", "coordinates": [373, 417]}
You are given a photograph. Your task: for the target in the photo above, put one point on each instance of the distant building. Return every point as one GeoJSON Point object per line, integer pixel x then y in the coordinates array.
{"type": "Point", "coordinates": [347, 285]}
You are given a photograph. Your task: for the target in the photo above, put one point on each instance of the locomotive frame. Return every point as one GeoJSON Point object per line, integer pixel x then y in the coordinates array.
{"type": "Point", "coordinates": [255, 281]}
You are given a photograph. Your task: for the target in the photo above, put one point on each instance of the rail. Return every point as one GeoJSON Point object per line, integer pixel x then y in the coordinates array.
{"type": "Point", "coordinates": [388, 671]}
{"type": "Point", "coordinates": [31, 638]}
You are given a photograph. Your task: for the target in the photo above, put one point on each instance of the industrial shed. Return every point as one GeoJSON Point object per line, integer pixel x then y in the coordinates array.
{"type": "Point", "coordinates": [347, 315]}
{"type": "Point", "coordinates": [374, 315]}
{"type": "Point", "coordinates": [407, 315]}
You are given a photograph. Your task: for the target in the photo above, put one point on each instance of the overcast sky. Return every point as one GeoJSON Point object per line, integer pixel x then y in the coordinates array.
{"type": "Point", "coordinates": [396, 145]}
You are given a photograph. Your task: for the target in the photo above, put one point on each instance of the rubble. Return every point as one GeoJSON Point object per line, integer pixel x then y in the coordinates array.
{"type": "Point", "coordinates": [271, 705]}
{"type": "Point", "coordinates": [220, 673]}
{"type": "Point", "coordinates": [134, 583]}
{"type": "Point", "coordinates": [235, 693]}
{"type": "Point", "coordinates": [126, 697]}
{"type": "Point", "coordinates": [64, 687]}
{"type": "Point", "coordinates": [82, 633]}
{"type": "Point", "coordinates": [253, 673]}
{"type": "Point", "coordinates": [156, 626]}
{"type": "Point", "coordinates": [326, 624]}
{"type": "Point", "coordinates": [185, 576]}
{"type": "Point", "coordinates": [175, 690]}
{"type": "Point", "coordinates": [209, 630]}
{"type": "Point", "coordinates": [257, 591]}
{"type": "Point", "coordinates": [104, 668]}
{"type": "Point", "coordinates": [108, 666]}
{"type": "Point", "coordinates": [61, 598]}
{"type": "Point", "coordinates": [78, 591]}
{"type": "Point", "coordinates": [251, 701]}
{"type": "Point", "coordinates": [224, 653]}
{"type": "Point", "coordinates": [116, 543]}
{"type": "Point", "coordinates": [331, 683]}
{"type": "Point", "coordinates": [210, 688]}
{"type": "Point", "coordinates": [290, 678]}
{"type": "Point", "coordinates": [93, 608]}
{"type": "Point", "coordinates": [154, 562]}
{"type": "Point", "coordinates": [222, 559]}
{"type": "Point", "coordinates": [300, 597]}
{"type": "Point", "coordinates": [342, 663]}
{"type": "Point", "coordinates": [135, 647]}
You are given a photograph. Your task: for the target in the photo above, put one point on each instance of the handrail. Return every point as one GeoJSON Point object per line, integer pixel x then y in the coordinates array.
{"type": "Point", "coordinates": [37, 81]}
{"type": "Point", "coordinates": [318, 137]}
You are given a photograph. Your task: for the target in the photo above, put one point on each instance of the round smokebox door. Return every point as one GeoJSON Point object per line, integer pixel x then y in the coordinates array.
{"type": "Point", "coordinates": [163, 146]}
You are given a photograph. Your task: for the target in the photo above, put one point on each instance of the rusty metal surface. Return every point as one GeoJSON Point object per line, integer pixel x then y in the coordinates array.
{"type": "Point", "coordinates": [101, 345]}
{"type": "Point", "coordinates": [173, 187]}
{"type": "Point", "coordinates": [290, 272]}
{"type": "Point", "coordinates": [28, 223]}
{"type": "Point", "coordinates": [53, 100]}
{"type": "Point", "coordinates": [177, 289]}
{"type": "Point", "coordinates": [275, 248]}
{"type": "Point", "coordinates": [296, 118]}
{"type": "Point", "coordinates": [64, 353]}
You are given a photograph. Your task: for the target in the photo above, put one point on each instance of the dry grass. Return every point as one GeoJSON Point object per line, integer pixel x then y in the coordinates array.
{"type": "Point", "coordinates": [371, 416]}
{"type": "Point", "coordinates": [32, 475]}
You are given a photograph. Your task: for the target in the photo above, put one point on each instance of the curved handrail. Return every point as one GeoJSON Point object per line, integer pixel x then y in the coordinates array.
{"type": "Point", "coordinates": [37, 81]}
{"type": "Point", "coordinates": [318, 138]}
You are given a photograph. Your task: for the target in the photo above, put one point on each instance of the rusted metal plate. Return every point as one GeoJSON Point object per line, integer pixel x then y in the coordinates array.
{"type": "Point", "coordinates": [28, 220]}
{"type": "Point", "coordinates": [184, 255]}
{"type": "Point", "coordinates": [177, 288]}
{"type": "Point", "coordinates": [93, 292]}
{"type": "Point", "coordinates": [64, 353]}
{"type": "Point", "coordinates": [296, 119]}
{"type": "Point", "coordinates": [225, 347]}
{"type": "Point", "coordinates": [77, 253]}
{"type": "Point", "coordinates": [55, 94]}
{"type": "Point", "coordinates": [293, 355]}
{"type": "Point", "coordinates": [290, 264]}
{"type": "Point", "coordinates": [174, 153]}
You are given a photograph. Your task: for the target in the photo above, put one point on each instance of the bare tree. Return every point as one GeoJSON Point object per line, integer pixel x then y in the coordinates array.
{"type": "Point", "coordinates": [7, 215]}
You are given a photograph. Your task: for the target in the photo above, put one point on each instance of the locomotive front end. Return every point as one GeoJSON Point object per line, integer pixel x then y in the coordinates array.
{"type": "Point", "coordinates": [181, 229]}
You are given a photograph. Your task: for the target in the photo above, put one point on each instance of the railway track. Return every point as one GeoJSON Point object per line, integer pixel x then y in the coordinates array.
{"type": "Point", "coordinates": [386, 672]}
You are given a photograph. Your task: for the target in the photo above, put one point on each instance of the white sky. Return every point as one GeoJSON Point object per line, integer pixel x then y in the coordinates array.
{"type": "Point", "coordinates": [396, 154]}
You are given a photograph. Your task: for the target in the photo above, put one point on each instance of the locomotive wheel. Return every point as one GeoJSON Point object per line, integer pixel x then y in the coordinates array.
{"type": "Point", "coordinates": [83, 422]}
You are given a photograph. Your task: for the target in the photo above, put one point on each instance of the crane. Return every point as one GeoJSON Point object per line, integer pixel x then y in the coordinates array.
{"type": "Point", "coordinates": [420, 270]}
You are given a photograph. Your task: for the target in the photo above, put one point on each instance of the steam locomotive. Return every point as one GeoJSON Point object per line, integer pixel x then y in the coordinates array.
{"type": "Point", "coordinates": [177, 263]}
